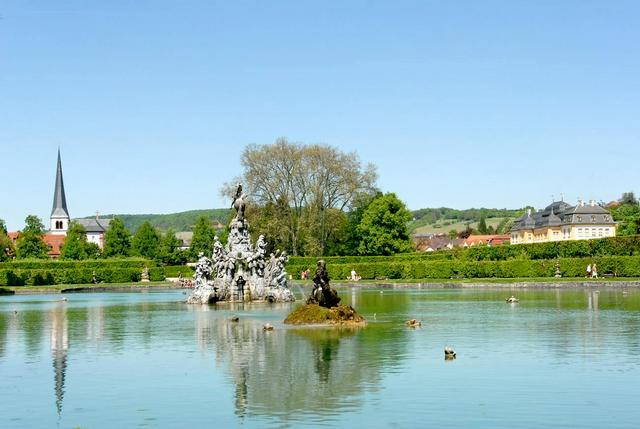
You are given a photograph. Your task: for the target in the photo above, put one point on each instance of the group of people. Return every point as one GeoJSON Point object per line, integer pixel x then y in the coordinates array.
{"type": "Point", "coordinates": [592, 271]}
{"type": "Point", "coordinates": [305, 275]}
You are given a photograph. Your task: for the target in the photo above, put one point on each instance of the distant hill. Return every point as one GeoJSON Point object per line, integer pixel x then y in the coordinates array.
{"type": "Point", "coordinates": [444, 219]}
{"type": "Point", "coordinates": [183, 221]}
{"type": "Point", "coordinates": [428, 220]}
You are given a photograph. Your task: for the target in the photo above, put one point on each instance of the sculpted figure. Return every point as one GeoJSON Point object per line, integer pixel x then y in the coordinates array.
{"type": "Point", "coordinates": [204, 268]}
{"type": "Point", "coordinates": [238, 203]}
{"type": "Point", "coordinates": [322, 292]}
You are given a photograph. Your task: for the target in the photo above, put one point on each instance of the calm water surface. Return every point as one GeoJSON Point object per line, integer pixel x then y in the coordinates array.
{"type": "Point", "coordinates": [567, 358]}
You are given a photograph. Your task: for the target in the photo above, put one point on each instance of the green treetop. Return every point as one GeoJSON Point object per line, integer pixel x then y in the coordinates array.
{"type": "Point", "coordinates": [7, 250]}
{"type": "Point", "coordinates": [75, 243]}
{"type": "Point", "coordinates": [203, 235]}
{"type": "Point", "coordinates": [383, 228]}
{"type": "Point", "coordinates": [117, 240]}
{"type": "Point", "coordinates": [169, 250]}
{"type": "Point", "coordinates": [30, 242]}
{"type": "Point", "coordinates": [146, 241]}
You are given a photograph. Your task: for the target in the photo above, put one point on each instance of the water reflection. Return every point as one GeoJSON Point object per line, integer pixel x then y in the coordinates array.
{"type": "Point", "coordinates": [285, 371]}
{"type": "Point", "coordinates": [311, 375]}
{"type": "Point", "coordinates": [59, 351]}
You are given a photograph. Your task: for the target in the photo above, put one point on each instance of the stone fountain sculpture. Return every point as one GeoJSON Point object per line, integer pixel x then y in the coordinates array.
{"type": "Point", "coordinates": [239, 271]}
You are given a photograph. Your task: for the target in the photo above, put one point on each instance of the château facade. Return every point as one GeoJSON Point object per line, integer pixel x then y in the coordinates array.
{"type": "Point", "coordinates": [561, 221]}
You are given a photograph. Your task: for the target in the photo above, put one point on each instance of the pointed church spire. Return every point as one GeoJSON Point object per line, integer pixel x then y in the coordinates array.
{"type": "Point", "coordinates": [59, 209]}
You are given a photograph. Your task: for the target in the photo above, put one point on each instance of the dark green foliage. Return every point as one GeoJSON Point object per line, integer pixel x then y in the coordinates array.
{"type": "Point", "coordinates": [203, 238]}
{"type": "Point", "coordinates": [93, 251]}
{"type": "Point", "coordinates": [482, 226]}
{"type": "Point", "coordinates": [75, 243]}
{"type": "Point", "coordinates": [169, 252]}
{"type": "Point", "coordinates": [146, 242]}
{"type": "Point", "coordinates": [68, 276]}
{"type": "Point", "coordinates": [30, 242]}
{"type": "Point", "coordinates": [36, 272]}
{"type": "Point", "coordinates": [628, 218]}
{"type": "Point", "coordinates": [383, 228]}
{"type": "Point", "coordinates": [117, 240]}
{"type": "Point", "coordinates": [7, 249]}
{"type": "Point", "coordinates": [621, 266]}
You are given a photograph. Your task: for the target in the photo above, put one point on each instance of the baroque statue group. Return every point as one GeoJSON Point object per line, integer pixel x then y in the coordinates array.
{"type": "Point", "coordinates": [240, 271]}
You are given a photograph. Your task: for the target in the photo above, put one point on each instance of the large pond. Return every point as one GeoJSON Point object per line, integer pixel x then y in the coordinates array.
{"type": "Point", "coordinates": [559, 358]}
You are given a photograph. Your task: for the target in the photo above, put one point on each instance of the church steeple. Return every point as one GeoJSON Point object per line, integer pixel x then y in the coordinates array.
{"type": "Point", "coordinates": [59, 212]}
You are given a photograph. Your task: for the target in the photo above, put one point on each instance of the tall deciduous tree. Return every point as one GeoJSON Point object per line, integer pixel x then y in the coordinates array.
{"type": "Point", "coordinates": [146, 241]}
{"type": "Point", "coordinates": [383, 228]}
{"type": "Point", "coordinates": [203, 238]}
{"type": "Point", "coordinates": [30, 243]}
{"type": "Point", "coordinates": [117, 239]}
{"type": "Point", "coordinates": [75, 243]}
{"type": "Point", "coordinates": [302, 184]}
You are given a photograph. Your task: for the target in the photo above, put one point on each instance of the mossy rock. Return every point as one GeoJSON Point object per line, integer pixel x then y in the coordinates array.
{"type": "Point", "coordinates": [313, 314]}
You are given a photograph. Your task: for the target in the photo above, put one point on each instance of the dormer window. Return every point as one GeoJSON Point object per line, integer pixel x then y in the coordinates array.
{"type": "Point", "coordinates": [606, 218]}
{"type": "Point", "coordinates": [579, 218]}
{"type": "Point", "coordinates": [593, 218]}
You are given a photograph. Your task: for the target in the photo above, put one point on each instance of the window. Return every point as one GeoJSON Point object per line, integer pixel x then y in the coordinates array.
{"type": "Point", "coordinates": [593, 232]}
{"type": "Point", "coordinates": [599, 232]}
{"type": "Point", "coordinates": [593, 218]}
{"type": "Point", "coordinates": [606, 218]}
{"type": "Point", "coordinates": [579, 232]}
{"type": "Point", "coordinates": [579, 218]}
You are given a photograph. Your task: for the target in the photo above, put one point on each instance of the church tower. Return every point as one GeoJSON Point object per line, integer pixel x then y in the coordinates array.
{"type": "Point", "coordinates": [59, 212]}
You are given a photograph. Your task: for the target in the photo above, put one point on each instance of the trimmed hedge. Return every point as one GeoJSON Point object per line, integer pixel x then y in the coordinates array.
{"type": "Point", "coordinates": [21, 277]}
{"type": "Point", "coordinates": [39, 264]}
{"type": "Point", "coordinates": [609, 246]}
{"type": "Point", "coordinates": [36, 273]}
{"type": "Point", "coordinates": [622, 266]}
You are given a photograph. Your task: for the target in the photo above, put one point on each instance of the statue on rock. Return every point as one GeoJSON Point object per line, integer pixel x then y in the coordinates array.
{"type": "Point", "coordinates": [322, 293]}
{"type": "Point", "coordinates": [237, 271]}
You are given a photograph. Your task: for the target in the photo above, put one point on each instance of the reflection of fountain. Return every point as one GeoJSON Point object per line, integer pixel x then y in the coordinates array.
{"type": "Point", "coordinates": [238, 272]}
{"type": "Point", "coordinates": [288, 370]}
{"type": "Point", "coordinates": [59, 350]}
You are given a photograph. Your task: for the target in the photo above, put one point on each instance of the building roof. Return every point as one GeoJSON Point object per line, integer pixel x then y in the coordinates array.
{"type": "Point", "coordinates": [59, 199]}
{"type": "Point", "coordinates": [94, 225]}
{"type": "Point", "coordinates": [560, 213]}
{"type": "Point", "coordinates": [493, 239]}
{"type": "Point", "coordinates": [54, 241]}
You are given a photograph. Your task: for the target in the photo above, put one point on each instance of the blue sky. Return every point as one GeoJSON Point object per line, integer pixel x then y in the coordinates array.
{"type": "Point", "coordinates": [459, 104]}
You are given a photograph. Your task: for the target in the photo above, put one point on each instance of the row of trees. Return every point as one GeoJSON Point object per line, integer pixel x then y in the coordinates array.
{"type": "Point", "coordinates": [147, 242]}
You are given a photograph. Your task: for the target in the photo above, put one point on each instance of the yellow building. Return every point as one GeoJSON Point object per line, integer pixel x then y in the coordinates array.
{"type": "Point", "coordinates": [561, 221]}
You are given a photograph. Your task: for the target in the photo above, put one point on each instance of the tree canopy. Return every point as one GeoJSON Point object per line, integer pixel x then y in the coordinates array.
{"type": "Point", "coordinates": [146, 241]}
{"type": "Point", "coordinates": [302, 191]}
{"type": "Point", "coordinates": [203, 238]}
{"type": "Point", "coordinates": [30, 243]}
{"type": "Point", "coordinates": [7, 249]}
{"type": "Point", "coordinates": [75, 243]}
{"type": "Point", "coordinates": [383, 228]}
{"type": "Point", "coordinates": [117, 240]}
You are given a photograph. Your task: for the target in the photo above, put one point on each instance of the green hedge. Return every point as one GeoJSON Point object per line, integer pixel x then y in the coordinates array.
{"type": "Point", "coordinates": [609, 246]}
{"type": "Point", "coordinates": [39, 264]}
{"type": "Point", "coordinates": [623, 266]}
{"type": "Point", "coordinates": [21, 277]}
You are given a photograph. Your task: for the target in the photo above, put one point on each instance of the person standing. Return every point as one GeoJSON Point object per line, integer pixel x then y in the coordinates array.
{"type": "Point", "coordinates": [594, 271]}
{"type": "Point", "coordinates": [589, 270]}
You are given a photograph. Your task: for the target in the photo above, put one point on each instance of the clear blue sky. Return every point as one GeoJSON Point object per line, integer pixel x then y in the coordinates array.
{"type": "Point", "coordinates": [460, 104]}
